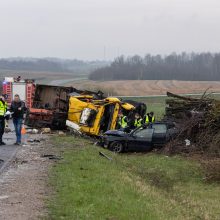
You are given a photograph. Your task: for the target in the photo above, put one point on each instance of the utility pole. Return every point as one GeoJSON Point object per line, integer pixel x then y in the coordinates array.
{"type": "Point", "coordinates": [104, 55]}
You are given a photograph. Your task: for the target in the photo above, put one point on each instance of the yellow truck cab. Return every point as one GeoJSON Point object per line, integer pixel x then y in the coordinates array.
{"type": "Point", "coordinates": [95, 117]}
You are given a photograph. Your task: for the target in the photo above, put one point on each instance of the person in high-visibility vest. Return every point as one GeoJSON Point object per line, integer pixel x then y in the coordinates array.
{"type": "Point", "coordinates": [138, 121]}
{"type": "Point", "coordinates": [149, 118]}
{"type": "Point", "coordinates": [3, 110]}
{"type": "Point", "coordinates": [122, 121]}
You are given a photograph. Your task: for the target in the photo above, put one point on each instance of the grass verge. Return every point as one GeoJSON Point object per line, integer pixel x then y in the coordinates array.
{"type": "Point", "coordinates": [131, 186]}
{"type": "Point", "coordinates": [155, 104]}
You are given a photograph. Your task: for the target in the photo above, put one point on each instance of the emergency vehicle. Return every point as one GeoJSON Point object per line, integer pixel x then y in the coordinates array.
{"type": "Point", "coordinates": [25, 88]}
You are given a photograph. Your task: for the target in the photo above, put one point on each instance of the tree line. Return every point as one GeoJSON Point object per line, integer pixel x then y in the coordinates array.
{"type": "Point", "coordinates": [184, 66]}
{"type": "Point", "coordinates": [50, 65]}
{"type": "Point", "coordinates": [31, 65]}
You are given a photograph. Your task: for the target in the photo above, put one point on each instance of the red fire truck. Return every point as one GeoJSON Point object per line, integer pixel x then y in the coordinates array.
{"type": "Point", "coordinates": [24, 88]}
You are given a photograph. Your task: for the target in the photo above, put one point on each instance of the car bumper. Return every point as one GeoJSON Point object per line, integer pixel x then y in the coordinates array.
{"type": "Point", "coordinates": [105, 142]}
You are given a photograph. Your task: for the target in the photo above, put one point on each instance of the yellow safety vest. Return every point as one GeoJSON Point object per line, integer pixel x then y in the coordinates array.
{"type": "Point", "coordinates": [147, 121]}
{"type": "Point", "coordinates": [122, 122]}
{"type": "Point", "coordinates": [138, 122]}
{"type": "Point", "coordinates": [3, 108]}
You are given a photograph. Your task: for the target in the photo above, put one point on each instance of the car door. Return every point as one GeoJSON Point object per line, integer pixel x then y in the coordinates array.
{"type": "Point", "coordinates": [140, 140]}
{"type": "Point", "coordinates": [159, 135]}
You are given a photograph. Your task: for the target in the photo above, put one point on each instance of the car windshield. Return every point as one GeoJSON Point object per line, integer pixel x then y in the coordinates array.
{"type": "Point", "coordinates": [159, 128]}
{"type": "Point", "coordinates": [146, 133]}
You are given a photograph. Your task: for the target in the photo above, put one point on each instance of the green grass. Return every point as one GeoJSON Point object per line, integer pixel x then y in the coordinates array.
{"type": "Point", "coordinates": [131, 186]}
{"type": "Point", "coordinates": [155, 104]}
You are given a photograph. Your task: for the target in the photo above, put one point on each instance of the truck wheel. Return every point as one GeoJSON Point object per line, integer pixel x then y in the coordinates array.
{"type": "Point", "coordinates": [116, 147]}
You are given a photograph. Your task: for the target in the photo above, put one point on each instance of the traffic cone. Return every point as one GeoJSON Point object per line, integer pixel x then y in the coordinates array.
{"type": "Point", "coordinates": [23, 130]}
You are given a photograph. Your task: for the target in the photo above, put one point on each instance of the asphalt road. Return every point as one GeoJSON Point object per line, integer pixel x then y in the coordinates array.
{"type": "Point", "coordinates": [8, 151]}
{"type": "Point", "coordinates": [60, 82]}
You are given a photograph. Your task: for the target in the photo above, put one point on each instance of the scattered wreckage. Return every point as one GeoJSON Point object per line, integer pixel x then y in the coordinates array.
{"type": "Point", "coordinates": [194, 122]}
{"type": "Point", "coordinates": [83, 111]}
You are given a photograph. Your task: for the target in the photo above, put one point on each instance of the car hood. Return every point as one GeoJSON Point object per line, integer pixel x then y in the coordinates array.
{"type": "Point", "coordinates": [116, 133]}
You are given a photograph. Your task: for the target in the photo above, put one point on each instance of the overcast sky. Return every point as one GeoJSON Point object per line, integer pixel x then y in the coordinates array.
{"type": "Point", "coordinates": [97, 29]}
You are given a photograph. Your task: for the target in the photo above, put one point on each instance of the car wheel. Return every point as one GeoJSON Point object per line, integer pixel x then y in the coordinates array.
{"type": "Point", "coordinates": [116, 147]}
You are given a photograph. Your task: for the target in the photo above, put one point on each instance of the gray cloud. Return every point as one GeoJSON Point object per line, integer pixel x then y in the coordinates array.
{"type": "Point", "coordinates": [82, 28]}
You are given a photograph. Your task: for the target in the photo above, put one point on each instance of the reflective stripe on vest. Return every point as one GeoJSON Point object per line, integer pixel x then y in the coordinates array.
{"type": "Point", "coordinates": [122, 122]}
{"type": "Point", "coordinates": [138, 122]}
{"type": "Point", "coordinates": [3, 108]}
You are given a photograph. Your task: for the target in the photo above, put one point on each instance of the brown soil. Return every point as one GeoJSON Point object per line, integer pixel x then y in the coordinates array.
{"type": "Point", "coordinates": [148, 87]}
{"type": "Point", "coordinates": [23, 186]}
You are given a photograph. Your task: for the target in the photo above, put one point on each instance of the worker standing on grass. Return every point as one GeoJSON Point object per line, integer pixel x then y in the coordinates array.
{"type": "Point", "coordinates": [138, 121]}
{"type": "Point", "coordinates": [149, 118]}
{"type": "Point", "coordinates": [3, 110]}
{"type": "Point", "coordinates": [122, 121]}
{"type": "Point", "coordinates": [17, 108]}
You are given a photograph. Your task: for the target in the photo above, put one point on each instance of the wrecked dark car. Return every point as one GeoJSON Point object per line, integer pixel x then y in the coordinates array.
{"type": "Point", "coordinates": [144, 138]}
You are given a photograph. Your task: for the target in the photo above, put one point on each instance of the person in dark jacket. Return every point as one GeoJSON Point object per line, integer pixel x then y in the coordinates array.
{"type": "Point", "coordinates": [18, 109]}
{"type": "Point", "coordinates": [3, 110]}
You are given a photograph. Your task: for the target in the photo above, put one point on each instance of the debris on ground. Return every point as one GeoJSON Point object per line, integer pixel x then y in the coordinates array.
{"type": "Point", "coordinates": [33, 141]}
{"type": "Point", "coordinates": [32, 131]}
{"type": "Point", "coordinates": [198, 124]}
{"type": "Point", "coordinates": [61, 133]}
{"type": "Point", "coordinates": [73, 127]}
{"type": "Point", "coordinates": [52, 157]}
{"type": "Point", "coordinates": [104, 155]}
{"type": "Point", "coordinates": [45, 130]}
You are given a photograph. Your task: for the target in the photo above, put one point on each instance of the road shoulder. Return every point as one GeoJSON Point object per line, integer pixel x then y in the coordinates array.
{"type": "Point", "coordinates": [24, 183]}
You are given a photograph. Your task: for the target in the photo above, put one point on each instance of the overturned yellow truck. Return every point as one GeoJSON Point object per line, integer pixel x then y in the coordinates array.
{"type": "Point", "coordinates": [95, 117]}
{"type": "Point", "coordinates": [83, 111]}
